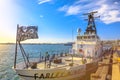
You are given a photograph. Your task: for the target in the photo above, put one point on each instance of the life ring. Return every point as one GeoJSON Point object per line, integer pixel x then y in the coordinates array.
{"type": "Point", "coordinates": [80, 50]}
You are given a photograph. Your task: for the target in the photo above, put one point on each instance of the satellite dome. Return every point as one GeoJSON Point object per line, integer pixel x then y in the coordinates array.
{"type": "Point", "coordinates": [78, 30]}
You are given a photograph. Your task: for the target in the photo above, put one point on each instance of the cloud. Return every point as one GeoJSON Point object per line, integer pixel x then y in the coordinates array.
{"type": "Point", "coordinates": [109, 14]}
{"type": "Point", "coordinates": [116, 3]}
{"type": "Point", "coordinates": [78, 7]}
{"type": "Point", "coordinates": [109, 11]}
{"type": "Point", "coordinates": [71, 10]}
{"type": "Point", "coordinates": [41, 16]}
{"type": "Point", "coordinates": [44, 1]}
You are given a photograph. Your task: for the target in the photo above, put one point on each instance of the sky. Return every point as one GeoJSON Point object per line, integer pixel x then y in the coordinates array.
{"type": "Point", "coordinates": [58, 20]}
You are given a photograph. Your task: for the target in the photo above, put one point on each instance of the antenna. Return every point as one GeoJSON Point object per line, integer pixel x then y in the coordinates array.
{"type": "Point", "coordinates": [72, 34]}
{"type": "Point", "coordinates": [72, 47]}
{"type": "Point", "coordinates": [90, 13]}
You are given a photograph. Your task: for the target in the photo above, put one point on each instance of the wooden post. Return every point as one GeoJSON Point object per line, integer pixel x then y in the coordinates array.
{"type": "Point", "coordinates": [16, 48]}
{"type": "Point", "coordinates": [45, 61]}
{"type": "Point", "coordinates": [40, 57]}
{"type": "Point", "coordinates": [72, 57]}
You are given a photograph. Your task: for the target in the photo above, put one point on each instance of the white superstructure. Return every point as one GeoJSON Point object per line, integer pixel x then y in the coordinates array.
{"type": "Point", "coordinates": [88, 45]}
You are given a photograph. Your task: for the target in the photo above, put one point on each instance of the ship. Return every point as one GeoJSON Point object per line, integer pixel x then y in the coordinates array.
{"type": "Point", "coordinates": [83, 56]}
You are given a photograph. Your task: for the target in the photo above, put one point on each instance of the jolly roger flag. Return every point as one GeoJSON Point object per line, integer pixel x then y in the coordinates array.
{"type": "Point", "coordinates": [29, 32]}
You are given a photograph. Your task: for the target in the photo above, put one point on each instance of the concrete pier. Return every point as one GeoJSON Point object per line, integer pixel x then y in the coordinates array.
{"type": "Point", "coordinates": [116, 67]}
{"type": "Point", "coordinates": [109, 67]}
{"type": "Point", "coordinates": [102, 71]}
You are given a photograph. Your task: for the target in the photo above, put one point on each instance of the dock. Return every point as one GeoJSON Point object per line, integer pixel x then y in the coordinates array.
{"type": "Point", "coordinates": [109, 67]}
{"type": "Point", "coordinates": [102, 71]}
{"type": "Point", "coordinates": [116, 67]}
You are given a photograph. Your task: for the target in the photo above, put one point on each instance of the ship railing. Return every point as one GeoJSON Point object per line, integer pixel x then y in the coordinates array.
{"type": "Point", "coordinates": [47, 57]}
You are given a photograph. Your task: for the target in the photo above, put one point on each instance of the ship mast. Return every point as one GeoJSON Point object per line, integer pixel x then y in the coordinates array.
{"type": "Point", "coordinates": [91, 27]}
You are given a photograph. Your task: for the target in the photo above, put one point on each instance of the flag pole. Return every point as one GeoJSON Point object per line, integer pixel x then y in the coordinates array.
{"type": "Point", "coordinates": [16, 48]}
{"type": "Point", "coordinates": [72, 47]}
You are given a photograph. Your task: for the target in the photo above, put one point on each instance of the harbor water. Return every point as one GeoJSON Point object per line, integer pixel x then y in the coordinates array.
{"type": "Point", "coordinates": [7, 52]}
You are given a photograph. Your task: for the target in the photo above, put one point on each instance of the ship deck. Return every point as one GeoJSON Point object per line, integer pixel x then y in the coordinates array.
{"type": "Point", "coordinates": [65, 62]}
